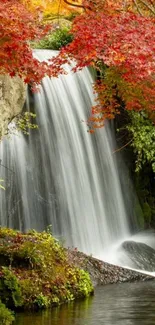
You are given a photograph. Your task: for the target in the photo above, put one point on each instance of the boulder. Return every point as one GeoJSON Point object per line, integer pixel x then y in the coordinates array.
{"type": "Point", "coordinates": [141, 255]}
{"type": "Point", "coordinates": [12, 98]}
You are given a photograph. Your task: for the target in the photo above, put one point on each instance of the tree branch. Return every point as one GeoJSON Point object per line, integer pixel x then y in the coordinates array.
{"type": "Point", "coordinates": [137, 7]}
{"type": "Point", "coordinates": [73, 4]}
{"type": "Point", "coordinates": [119, 149]}
{"type": "Point", "coordinates": [148, 6]}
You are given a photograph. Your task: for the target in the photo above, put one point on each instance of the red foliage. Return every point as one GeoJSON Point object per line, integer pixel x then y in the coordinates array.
{"type": "Point", "coordinates": [122, 41]}
{"type": "Point", "coordinates": [105, 35]}
{"type": "Point", "coordinates": [18, 26]}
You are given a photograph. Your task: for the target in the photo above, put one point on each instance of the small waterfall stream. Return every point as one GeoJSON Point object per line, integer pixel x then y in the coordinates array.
{"type": "Point", "coordinates": [60, 175]}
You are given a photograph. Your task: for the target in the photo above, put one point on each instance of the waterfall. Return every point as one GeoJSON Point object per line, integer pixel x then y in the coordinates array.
{"type": "Point", "coordinates": [60, 174]}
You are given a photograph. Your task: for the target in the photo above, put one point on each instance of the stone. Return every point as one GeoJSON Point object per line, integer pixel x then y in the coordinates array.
{"type": "Point", "coordinates": [12, 98]}
{"type": "Point", "coordinates": [104, 273]}
{"type": "Point", "coordinates": [141, 255]}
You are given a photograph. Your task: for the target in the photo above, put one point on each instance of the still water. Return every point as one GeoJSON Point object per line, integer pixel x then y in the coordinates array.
{"type": "Point", "coordinates": [118, 304]}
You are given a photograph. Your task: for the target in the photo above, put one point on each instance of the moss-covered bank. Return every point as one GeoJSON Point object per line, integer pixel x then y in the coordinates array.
{"type": "Point", "coordinates": [36, 273]}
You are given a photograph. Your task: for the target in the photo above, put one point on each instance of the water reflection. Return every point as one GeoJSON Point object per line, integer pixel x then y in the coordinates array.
{"type": "Point", "coordinates": [69, 314]}
{"type": "Point", "coordinates": [121, 304]}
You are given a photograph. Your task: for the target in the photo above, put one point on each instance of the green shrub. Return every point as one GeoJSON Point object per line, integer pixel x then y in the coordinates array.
{"type": "Point", "coordinates": [142, 131]}
{"type": "Point", "coordinates": [6, 316]}
{"type": "Point", "coordinates": [42, 301]}
{"type": "Point", "coordinates": [10, 291]}
{"type": "Point", "coordinates": [55, 40]}
{"type": "Point", "coordinates": [79, 282]}
{"type": "Point", "coordinates": [84, 287]}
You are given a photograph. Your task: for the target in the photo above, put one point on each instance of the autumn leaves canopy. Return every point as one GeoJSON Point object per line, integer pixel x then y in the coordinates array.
{"type": "Point", "coordinates": [116, 38]}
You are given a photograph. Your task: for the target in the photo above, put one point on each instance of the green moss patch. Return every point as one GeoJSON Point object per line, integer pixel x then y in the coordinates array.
{"type": "Point", "coordinates": [35, 271]}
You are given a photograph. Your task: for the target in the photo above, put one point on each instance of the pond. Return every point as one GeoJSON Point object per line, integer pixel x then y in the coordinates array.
{"type": "Point", "coordinates": [117, 304]}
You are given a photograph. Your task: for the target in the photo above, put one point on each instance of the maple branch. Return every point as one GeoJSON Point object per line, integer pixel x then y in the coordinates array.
{"type": "Point", "coordinates": [119, 149]}
{"type": "Point", "coordinates": [148, 6]}
{"type": "Point", "coordinates": [137, 7]}
{"type": "Point", "coordinates": [73, 4]}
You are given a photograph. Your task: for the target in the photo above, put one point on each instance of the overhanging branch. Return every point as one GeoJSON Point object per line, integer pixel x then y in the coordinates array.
{"type": "Point", "coordinates": [73, 4]}
{"type": "Point", "coordinates": [148, 6]}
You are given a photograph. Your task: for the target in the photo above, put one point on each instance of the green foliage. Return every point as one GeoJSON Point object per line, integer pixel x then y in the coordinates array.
{"type": "Point", "coordinates": [55, 40]}
{"type": "Point", "coordinates": [5, 233]}
{"type": "Point", "coordinates": [42, 301]}
{"type": "Point", "coordinates": [142, 131]}
{"type": "Point", "coordinates": [25, 122]}
{"type": "Point", "coordinates": [10, 291]}
{"type": "Point", "coordinates": [81, 280]}
{"type": "Point", "coordinates": [37, 273]}
{"type": "Point", "coordinates": [6, 316]}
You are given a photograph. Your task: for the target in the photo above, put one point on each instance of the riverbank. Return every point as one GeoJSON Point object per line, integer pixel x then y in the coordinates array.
{"type": "Point", "coordinates": [35, 273]}
{"type": "Point", "coordinates": [117, 304]}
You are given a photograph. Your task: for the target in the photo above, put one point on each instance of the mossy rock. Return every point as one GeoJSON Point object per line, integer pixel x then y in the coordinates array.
{"type": "Point", "coordinates": [39, 273]}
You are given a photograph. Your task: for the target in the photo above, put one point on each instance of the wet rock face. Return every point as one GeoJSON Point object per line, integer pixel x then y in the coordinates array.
{"type": "Point", "coordinates": [141, 255]}
{"type": "Point", "coordinates": [12, 98]}
{"type": "Point", "coordinates": [104, 273]}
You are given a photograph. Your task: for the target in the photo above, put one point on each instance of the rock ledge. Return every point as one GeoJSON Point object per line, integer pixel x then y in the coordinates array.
{"type": "Point", "coordinates": [104, 273]}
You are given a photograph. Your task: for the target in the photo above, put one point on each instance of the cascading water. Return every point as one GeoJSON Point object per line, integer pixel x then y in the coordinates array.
{"type": "Point", "coordinates": [62, 175]}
